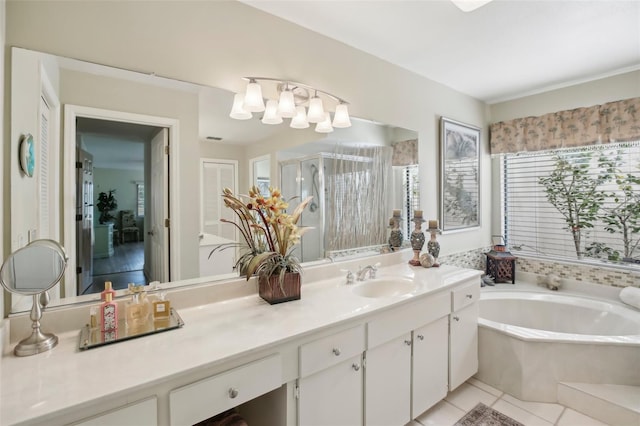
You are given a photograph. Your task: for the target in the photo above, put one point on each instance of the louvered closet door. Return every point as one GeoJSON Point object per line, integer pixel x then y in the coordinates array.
{"type": "Point", "coordinates": [215, 177]}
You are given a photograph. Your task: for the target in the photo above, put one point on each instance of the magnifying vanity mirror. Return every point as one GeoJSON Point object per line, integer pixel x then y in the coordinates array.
{"type": "Point", "coordinates": [159, 224]}
{"type": "Point", "coordinates": [32, 271]}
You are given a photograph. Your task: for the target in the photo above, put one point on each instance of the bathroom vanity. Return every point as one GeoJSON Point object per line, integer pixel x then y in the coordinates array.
{"type": "Point", "coordinates": [333, 357]}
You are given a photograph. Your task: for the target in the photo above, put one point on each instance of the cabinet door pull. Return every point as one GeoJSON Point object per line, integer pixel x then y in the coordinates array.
{"type": "Point", "coordinates": [420, 337]}
{"type": "Point", "coordinates": [407, 342]}
{"type": "Point", "coordinates": [469, 296]}
{"type": "Point", "coordinates": [456, 318]}
{"type": "Point", "coordinates": [233, 392]}
{"type": "Point", "coordinates": [336, 351]}
{"type": "Point", "coordinates": [355, 366]}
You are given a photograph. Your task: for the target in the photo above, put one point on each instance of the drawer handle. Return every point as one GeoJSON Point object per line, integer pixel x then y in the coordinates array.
{"type": "Point", "coordinates": [233, 392]}
{"type": "Point", "coordinates": [336, 351]}
{"type": "Point", "coordinates": [469, 296]}
{"type": "Point", "coordinates": [456, 318]}
{"type": "Point", "coordinates": [355, 366]}
{"type": "Point", "coordinates": [407, 342]}
{"type": "Point", "coordinates": [420, 337]}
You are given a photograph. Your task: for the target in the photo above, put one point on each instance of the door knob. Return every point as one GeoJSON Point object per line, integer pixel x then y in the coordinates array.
{"type": "Point", "coordinates": [456, 318]}
{"type": "Point", "coordinates": [233, 392]}
{"type": "Point", "coordinates": [355, 366]}
{"type": "Point", "coordinates": [407, 342]}
{"type": "Point", "coordinates": [336, 351]}
{"type": "Point", "coordinates": [420, 337]}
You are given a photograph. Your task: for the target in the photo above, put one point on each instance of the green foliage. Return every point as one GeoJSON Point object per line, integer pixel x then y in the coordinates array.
{"type": "Point", "coordinates": [623, 217]}
{"type": "Point", "coordinates": [573, 189]}
{"type": "Point", "coordinates": [106, 204]}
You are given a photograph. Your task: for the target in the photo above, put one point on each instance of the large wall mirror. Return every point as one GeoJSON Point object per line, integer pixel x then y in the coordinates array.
{"type": "Point", "coordinates": [119, 176]}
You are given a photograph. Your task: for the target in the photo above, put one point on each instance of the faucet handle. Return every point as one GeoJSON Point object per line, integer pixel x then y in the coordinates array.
{"type": "Point", "coordinates": [374, 270]}
{"type": "Point", "coordinates": [350, 277]}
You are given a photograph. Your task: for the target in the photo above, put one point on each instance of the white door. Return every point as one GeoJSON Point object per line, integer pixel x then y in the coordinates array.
{"type": "Point", "coordinates": [216, 175]}
{"type": "Point", "coordinates": [333, 396]}
{"type": "Point", "coordinates": [157, 261]}
{"type": "Point", "coordinates": [388, 383]}
{"type": "Point", "coordinates": [430, 365]}
{"type": "Point", "coordinates": [463, 345]}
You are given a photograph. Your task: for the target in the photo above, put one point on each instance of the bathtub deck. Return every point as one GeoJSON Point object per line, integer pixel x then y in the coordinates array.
{"type": "Point", "coordinates": [613, 404]}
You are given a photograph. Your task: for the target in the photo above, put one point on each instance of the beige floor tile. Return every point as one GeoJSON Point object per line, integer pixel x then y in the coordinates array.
{"type": "Point", "coordinates": [573, 418]}
{"type": "Point", "coordinates": [547, 411]}
{"type": "Point", "coordinates": [441, 414]}
{"type": "Point", "coordinates": [519, 414]}
{"type": "Point", "coordinates": [467, 396]}
{"type": "Point", "coordinates": [485, 387]}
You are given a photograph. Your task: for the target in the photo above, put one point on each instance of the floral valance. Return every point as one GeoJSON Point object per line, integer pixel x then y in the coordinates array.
{"type": "Point", "coordinates": [607, 123]}
{"type": "Point", "coordinates": [405, 153]}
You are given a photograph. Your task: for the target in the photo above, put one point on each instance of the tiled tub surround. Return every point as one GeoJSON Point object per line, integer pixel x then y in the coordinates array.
{"type": "Point", "coordinates": [531, 338]}
{"type": "Point", "coordinates": [226, 326]}
{"type": "Point", "coordinates": [567, 271]}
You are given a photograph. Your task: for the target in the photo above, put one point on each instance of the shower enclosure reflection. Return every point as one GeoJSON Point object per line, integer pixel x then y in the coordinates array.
{"type": "Point", "coordinates": [351, 189]}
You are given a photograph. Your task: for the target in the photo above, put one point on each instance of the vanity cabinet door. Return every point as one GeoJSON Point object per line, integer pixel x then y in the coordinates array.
{"type": "Point", "coordinates": [388, 383]}
{"type": "Point", "coordinates": [430, 365]}
{"type": "Point", "coordinates": [332, 396]}
{"type": "Point", "coordinates": [463, 345]}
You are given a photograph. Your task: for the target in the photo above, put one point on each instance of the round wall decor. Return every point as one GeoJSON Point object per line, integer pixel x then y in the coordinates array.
{"type": "Point", "coordinates": [27, 155]}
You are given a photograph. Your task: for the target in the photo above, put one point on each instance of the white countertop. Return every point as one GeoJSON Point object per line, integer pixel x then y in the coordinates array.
{"type": "Point", "coordinates": [65, 378]}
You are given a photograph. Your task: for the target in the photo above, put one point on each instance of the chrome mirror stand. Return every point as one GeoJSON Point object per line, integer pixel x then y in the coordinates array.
{"type": "Point", "coordinates": [38, 341]}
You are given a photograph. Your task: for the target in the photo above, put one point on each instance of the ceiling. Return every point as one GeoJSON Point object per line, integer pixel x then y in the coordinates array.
{"type": "Point", "coordinates": [503, 50]}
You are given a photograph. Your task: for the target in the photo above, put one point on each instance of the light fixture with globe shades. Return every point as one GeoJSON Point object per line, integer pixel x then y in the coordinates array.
{"type": "Point", "coordinates": [289, 99]}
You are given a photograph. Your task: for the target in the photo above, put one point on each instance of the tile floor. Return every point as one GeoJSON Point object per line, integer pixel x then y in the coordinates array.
{"type": "Point", "coordinates": [463, 399]}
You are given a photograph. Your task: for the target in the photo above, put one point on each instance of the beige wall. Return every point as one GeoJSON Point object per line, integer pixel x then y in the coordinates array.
{"type": "Point", "coordinates": [622, 86]}
{"type": "Point", "coordinates": [90, 90]}
{"type": "Point", "coordinates": [218, 42]}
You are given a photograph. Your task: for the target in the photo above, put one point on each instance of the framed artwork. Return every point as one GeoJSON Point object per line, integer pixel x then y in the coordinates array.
{"type": "Point", "coordinates": [459, 175]}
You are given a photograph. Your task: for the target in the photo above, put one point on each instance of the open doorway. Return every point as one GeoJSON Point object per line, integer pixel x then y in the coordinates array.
{"type": "Point", "coordinates": [114, 201]}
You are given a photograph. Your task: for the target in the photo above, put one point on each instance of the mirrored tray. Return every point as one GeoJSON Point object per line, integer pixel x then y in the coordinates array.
{"type": "Point", "coordinates": [94, 337]}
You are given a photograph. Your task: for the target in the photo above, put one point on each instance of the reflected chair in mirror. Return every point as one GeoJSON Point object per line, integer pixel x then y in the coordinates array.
{"type": "Point", "coordinates": [128, 225]}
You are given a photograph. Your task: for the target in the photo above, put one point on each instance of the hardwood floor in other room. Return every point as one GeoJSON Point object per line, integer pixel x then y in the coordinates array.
{"type": "Point", "coordinates": [124, 267]}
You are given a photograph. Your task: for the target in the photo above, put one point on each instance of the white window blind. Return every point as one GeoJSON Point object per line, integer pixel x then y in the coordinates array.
{"type": "Point", "coordinates": [574, 204]}
{"type": "Point", "coordinates": [140, 198]}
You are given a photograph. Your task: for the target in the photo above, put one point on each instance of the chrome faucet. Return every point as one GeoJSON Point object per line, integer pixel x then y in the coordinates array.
{"type": "Point", "coordinates": [371, 269]}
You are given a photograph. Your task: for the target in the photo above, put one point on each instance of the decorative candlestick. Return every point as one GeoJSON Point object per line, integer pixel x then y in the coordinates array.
{"type": "Point", "coordinates": [433, 246]}
{"type": "Point", "coordinates": [395, 238]}
{"type": "Point", "coordinates": [417, 238]}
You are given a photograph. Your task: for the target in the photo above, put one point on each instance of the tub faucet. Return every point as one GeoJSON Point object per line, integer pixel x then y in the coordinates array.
{"type": "Point", "coordinates": [371, 269]}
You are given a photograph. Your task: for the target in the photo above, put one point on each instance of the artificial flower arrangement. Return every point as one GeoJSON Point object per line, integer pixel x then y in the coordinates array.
{"type": "Point", "coordinates": [269, 233]}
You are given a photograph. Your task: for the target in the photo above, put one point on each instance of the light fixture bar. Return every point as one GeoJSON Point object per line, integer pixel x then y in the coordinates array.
{"type": "Point", "coordinates": [295, 83]}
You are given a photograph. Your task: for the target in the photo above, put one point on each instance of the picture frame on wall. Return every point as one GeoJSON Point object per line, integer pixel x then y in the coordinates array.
{"type": "Point", "coordinates": [459, 175]}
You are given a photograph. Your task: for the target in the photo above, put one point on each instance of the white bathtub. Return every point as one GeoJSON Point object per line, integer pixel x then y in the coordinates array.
{"type": "Point", "coordinates": [529, 341]}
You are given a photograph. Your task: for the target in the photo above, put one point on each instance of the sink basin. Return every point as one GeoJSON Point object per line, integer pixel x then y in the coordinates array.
{"type": "Point", "coordinates": [384, 287]}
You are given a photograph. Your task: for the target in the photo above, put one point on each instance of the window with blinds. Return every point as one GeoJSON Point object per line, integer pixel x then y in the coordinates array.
{"type": "Point", "coordinates": [411, 191]}
{"type": "Point", "coordinates": [574, 204]}
{"type": "Point", "coordinates": [140, 198]}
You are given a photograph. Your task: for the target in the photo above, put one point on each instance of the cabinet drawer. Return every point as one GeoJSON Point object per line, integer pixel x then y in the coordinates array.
{"type": "Point", "coordinates": [465, 295]}
{"type": "Point", "coordinates": [200, 400]}
{"type": "Point", "coordinates": [136, 414]}
{"type": "Point", "coordinates": [395, 322]}
{"type": "Point", "coordinates": [331, 350]}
